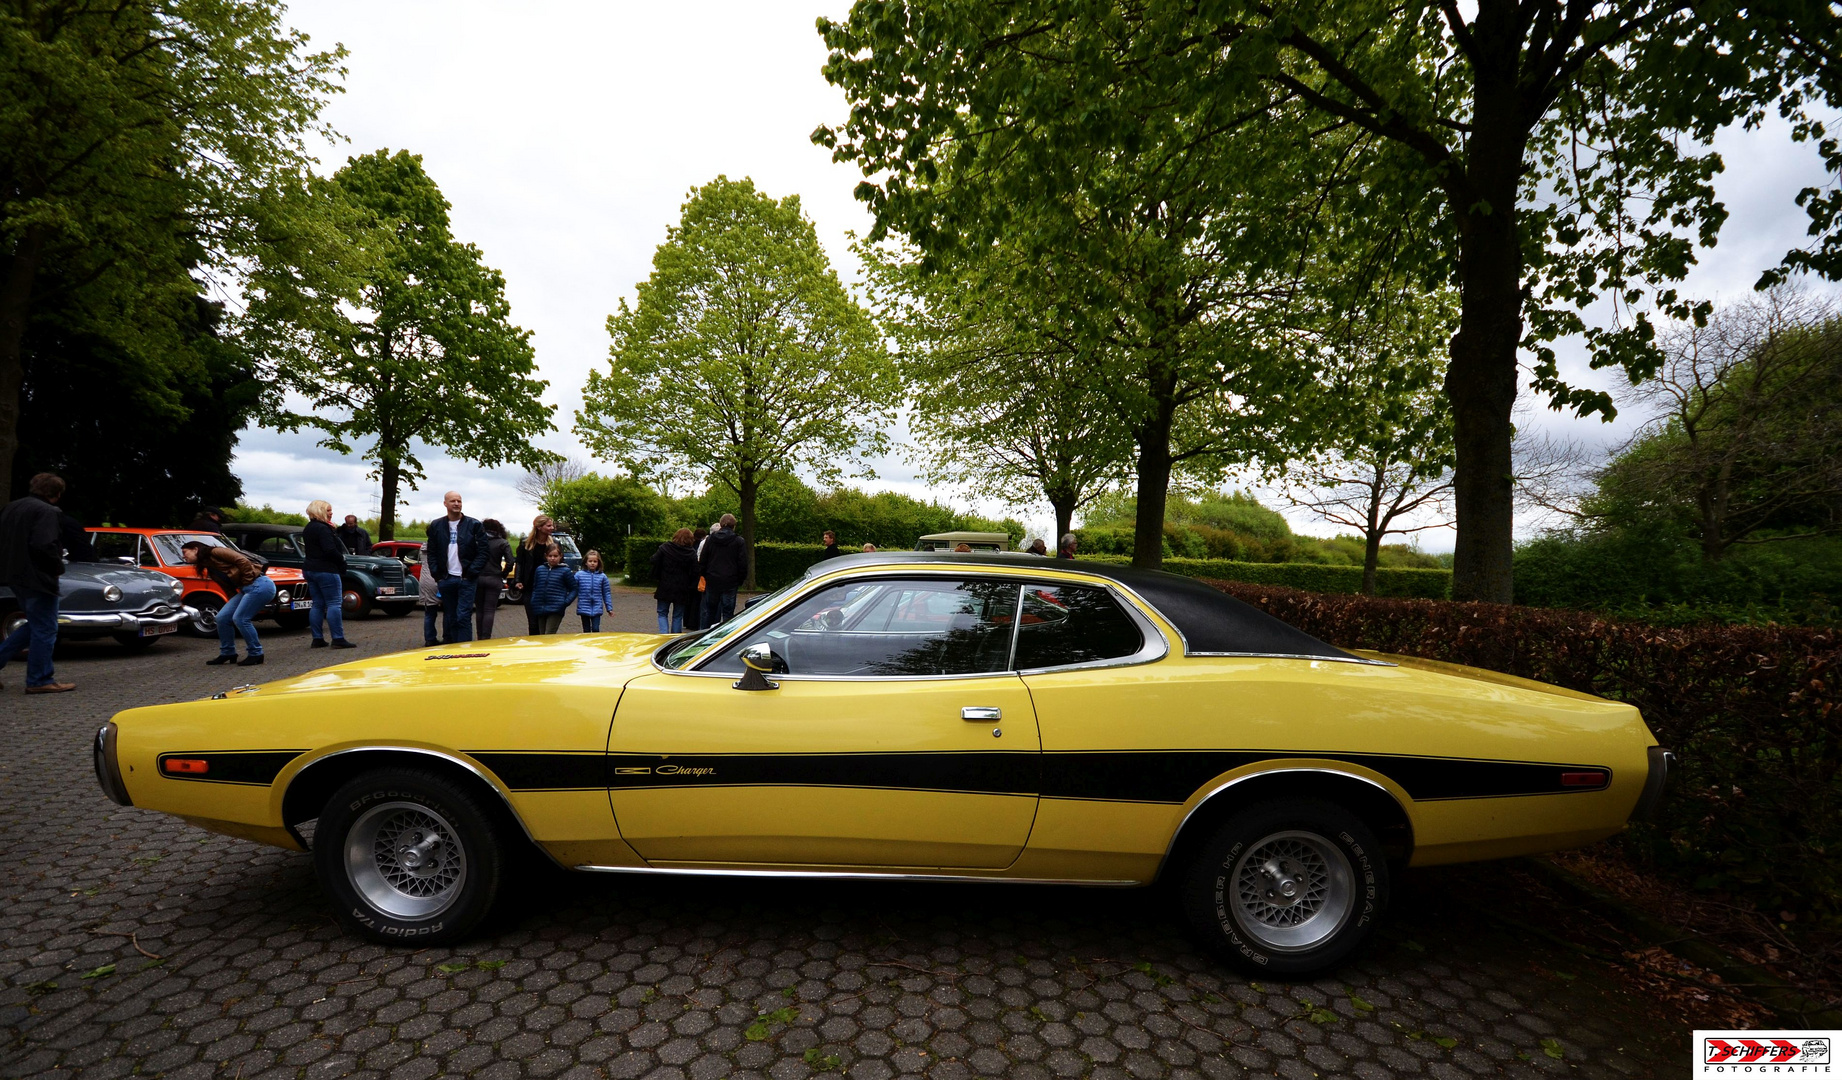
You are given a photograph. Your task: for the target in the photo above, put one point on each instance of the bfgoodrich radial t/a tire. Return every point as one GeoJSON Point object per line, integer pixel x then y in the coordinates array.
{"type": "Point", "coordinates": [1288, 888]}
{"type": "Point", "coordinates": [408, 856]}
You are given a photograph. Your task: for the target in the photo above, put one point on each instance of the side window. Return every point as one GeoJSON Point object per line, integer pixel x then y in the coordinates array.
{"type": "Point", "coordinates": [115, 546]}
{"type": "Point", "coordinates": [1072, 624]}
{"type": "Point", "coordinates": [277, 545]}
{"type": "Point", "coordinates": [888, 627]}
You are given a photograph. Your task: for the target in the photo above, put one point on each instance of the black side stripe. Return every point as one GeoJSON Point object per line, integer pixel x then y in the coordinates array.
{"type": "Point", "coordinates": [259, 767]}
{"type": "Point", "coordinates": [545, 772]}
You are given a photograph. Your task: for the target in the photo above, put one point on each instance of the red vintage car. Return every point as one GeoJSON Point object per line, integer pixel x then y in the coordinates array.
{"type": "Point", "coordinates": [408, 552]}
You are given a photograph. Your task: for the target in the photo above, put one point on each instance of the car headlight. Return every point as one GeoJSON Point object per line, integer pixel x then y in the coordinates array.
{"type": "Point", "coordinates": [281, 595]}
{"type": "Point", "coordinates": [178, 588]}
{"type": "Point", "coordinates": [112, 593]}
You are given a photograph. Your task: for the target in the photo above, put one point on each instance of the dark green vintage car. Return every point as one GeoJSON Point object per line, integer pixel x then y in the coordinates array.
{"type": "Point", "coordinates": [372, 582]}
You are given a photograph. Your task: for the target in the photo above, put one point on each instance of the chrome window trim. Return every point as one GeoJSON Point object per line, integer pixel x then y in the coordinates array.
{"type": "Point", "coordinates": [477, 770]}
{"type": "Point", "coordinates": [1156, 645]}
{"type": "Point", "coordinates": [1164, 859]}
{"type": "Point", "coordinates": [857, 875]}
{"type": "Point", "coordinates": [1297, 656]}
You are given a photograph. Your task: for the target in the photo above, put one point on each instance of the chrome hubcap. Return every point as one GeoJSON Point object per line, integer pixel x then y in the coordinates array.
{"type": "Point", "coordinates": [1292, 890]}
{"type": "Point", "coordinates": [405, 860]}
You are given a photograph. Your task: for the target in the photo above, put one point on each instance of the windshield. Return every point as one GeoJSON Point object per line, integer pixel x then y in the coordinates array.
{"type": "Point", "coordinates": [681, 653]}
{"type": "Point", "coordinates": [566, 542]}
{"type": "Point", "coordinates": [170, 543]}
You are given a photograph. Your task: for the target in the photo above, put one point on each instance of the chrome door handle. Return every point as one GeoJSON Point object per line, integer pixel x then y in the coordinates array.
{"type": "Point", "coordinates": [980, 713]}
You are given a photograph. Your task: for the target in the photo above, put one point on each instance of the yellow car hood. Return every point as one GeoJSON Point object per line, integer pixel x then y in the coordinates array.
{"type": "Point", "coordinates": [603, 659]}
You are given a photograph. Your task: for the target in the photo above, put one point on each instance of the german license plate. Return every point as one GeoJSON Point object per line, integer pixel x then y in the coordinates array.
{"type": "Point", "coordinates": [302, 605]}
{"type": "Point", "coordinates": [386, 590]}
{"type": "Point", "coordinates": [156, 629]}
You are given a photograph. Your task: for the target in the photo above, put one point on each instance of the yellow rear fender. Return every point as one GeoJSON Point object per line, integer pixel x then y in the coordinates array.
{"type": "Point", "coordinates": [1377, 800]}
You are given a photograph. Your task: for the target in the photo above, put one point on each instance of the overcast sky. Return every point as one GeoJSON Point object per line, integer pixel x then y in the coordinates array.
{"type": "Point", "coordinates": [567, 135]}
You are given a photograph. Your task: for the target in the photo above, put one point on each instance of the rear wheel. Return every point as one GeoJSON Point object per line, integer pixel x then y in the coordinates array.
{"type": "Point", "coordinates": [354, 603]}
{"type": "Point", "coordinates": [204, 624]}
{"type": "Point", "coordinates": [408, 855]}
{"type": "Point", "coordinates": [1290, 888]}
{"type": "Point", "coordinates": [10, 622]}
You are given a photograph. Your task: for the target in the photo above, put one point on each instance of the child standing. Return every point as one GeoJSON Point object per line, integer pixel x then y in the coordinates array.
{"type": "Point", "coordinates": [594, 593]}
{"type": "Point", "coordinates": [553, 588]}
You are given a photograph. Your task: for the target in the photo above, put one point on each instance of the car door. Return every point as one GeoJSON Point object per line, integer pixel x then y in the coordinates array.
{"type": "Point", "coordinates": [896, 735]}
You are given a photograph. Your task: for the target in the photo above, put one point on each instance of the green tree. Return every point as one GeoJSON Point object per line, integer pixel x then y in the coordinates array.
{"type": "Point", "coordinates": [1744, 446]}
{"type": "Point", "coordinates": [397, 332]}
{"type": "Point", "coordinates": [742, 355]}
{"type": "Point", "coordinates": [140, 141]}
{"type": "Point", "coordinates": [602, 511]}
{"type": "Point", "coordinates": [1542, 154]}
{"type": "Point", "coordinates": [1001, 409]}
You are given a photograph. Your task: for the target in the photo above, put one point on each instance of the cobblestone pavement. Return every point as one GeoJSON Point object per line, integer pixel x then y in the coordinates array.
{"type": "Point", "coordinates": [131, 943]}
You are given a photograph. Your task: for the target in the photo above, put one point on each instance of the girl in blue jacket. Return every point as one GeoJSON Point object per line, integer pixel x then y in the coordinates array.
{"type": "Point", "coordinates": [594, 593]}
{"type": "Point", "coordinates": [553, 587]}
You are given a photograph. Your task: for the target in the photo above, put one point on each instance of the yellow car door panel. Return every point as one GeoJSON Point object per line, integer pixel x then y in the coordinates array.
{"type": "Point", "coordinates": [851, 773]}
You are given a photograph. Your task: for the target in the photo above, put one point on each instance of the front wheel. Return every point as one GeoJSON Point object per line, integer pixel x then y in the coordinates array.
{"type": "Point", "coordinates": [204, 624]}
{"type": "Point", "coordinates": [408, 855]}
{"type": "Point", "coordinates": [354, 603]}
{"type": "Point", "coordinates": [1289, 888]}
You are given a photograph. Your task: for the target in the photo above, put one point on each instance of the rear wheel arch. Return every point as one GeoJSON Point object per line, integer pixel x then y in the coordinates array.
{"type": "Point", "coordinates": [1373, 804]}
{"type": "Point", "coordinates": [308, 790]}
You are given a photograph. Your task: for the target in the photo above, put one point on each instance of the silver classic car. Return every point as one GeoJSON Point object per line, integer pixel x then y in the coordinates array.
{"type": "Point", "coordinates": [105, 599]}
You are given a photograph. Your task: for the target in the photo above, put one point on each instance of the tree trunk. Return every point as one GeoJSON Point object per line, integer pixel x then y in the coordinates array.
{"type": "Point", "coordinates": [746, 489]}
{"type": "Point", "coordinates": [1064, 507]}
{"type": "Point", "coordinates": [15, 308]}
{"type": "Point", "coordinates": [1153, 489]}
{"type": "Point", "coordinates": [387, 513]}
{"type": "Point", "coordinates": [1481, 380]}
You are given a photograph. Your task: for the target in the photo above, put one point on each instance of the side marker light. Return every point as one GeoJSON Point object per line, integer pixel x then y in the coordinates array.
{"type": "Point", "coordinates": [186, 766]}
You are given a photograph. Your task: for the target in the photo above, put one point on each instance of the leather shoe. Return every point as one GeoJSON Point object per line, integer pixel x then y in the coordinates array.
{"type": "Point", "coordinates": [216, 660]}
{"type": "Point", "coordinates": [51, 688]}
{"type": "Point", "coordinates": [317, 643]}
{"type": "Point", "coordinates": [250, 661]}
{"type": "Point", "coordinates": [341, 643]}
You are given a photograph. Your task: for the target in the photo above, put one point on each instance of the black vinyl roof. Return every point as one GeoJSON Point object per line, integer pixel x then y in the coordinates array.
{"type": "Point", "coordinates": [1210, 620]}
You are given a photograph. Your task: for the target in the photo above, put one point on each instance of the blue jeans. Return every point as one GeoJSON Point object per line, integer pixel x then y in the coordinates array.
{"type": "Point", "coordinates": [671, 617]}
{"type": "Point", "coordinates": [36, 638]}
{"type": "Point", "coordinates": [591, 624]}
{"type": "Point", "coordinates": [328, 591]}
{"type": "Point", "coordinates": [238, 616]}
{"type": "Point", "coordinates": [429, 615]}
{"type": "Point", "coordinates": [718, 607]}
{"type": "Point", "coordinates": [456, 609]}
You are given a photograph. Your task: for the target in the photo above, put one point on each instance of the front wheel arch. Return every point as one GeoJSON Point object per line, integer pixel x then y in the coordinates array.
{"type": "Point", "coordinates": [1373, 804]}
{"type": "Point", "coordinates": [307, 791]}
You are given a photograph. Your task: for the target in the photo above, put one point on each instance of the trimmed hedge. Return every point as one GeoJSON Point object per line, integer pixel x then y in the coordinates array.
{"type": "Point", "coordinates": [1755, 806]}
{"type": "Point", "coordinates": [777, 564]}
{"type": "Point", "coordinates": [1311, 577]}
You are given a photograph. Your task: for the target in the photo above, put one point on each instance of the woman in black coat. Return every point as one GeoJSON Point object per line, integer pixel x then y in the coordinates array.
{"type": "Point", "coordinates": [527, 559]}
{"type": "Point", "coordinates": [674, 567]}
{"type": "Point", "coordinates": [324, 569]}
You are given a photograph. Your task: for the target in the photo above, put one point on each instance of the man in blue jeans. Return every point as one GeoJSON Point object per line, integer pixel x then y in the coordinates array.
{"type": "Point", "coordinates": [31, 561]}
{"type": "Point", "coordinates": [457, 554]}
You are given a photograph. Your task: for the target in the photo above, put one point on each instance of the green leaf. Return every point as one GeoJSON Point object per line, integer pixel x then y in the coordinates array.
{"type": "Point", "coordinates": [1361, 1004]}
{"type": "Point", "coordinates": [1445, 1042]}
{"type": "Point", "coordinates": [1412, 946]}
{"type": "Point", "coordinates": [1552, 1048]}
{"type": "Point", "coordinates": [761, 1028]}
{"type": "Point", "coordinates": [822, 1061]}
{"type": "Point", "coordinates": [102, 972]}
{"type": "Point", "coordinates": [453, 967]}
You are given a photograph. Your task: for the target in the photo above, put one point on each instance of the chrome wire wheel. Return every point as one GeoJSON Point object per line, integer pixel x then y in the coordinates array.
{"type": "Point", "coordinates": [405, 860]}
{"type": "Point", "coordinates": [1291, 891]}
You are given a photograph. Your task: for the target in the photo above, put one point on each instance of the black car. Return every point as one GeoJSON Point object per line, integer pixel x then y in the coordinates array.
{"type": "Point", "coordinates": [371, 581]}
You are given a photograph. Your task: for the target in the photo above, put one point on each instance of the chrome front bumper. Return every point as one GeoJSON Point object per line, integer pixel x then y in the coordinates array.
{"type": "Point", "coordinates": [121, 622]}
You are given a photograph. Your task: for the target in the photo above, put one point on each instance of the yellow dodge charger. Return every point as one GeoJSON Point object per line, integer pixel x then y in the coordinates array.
{"type": "Point", "coordinates": [907, 715]}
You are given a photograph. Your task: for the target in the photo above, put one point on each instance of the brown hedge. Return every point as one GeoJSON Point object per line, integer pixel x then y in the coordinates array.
{"type": "Point", "coordinates": [1755, 806]}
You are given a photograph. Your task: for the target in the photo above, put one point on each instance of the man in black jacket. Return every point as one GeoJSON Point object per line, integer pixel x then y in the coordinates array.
{"type": "Point", "coordinates": [31, 561]}
{"type": "Point", "coordinates": [357, 541]}
{"type": "Point", "coordinates": [457, 555]}
{"type": "Point", "coordinates": [723, 562]}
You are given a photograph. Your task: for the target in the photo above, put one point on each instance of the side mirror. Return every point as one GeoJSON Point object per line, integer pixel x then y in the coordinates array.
{"type": "Point", "coordinates": [759, 660]}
